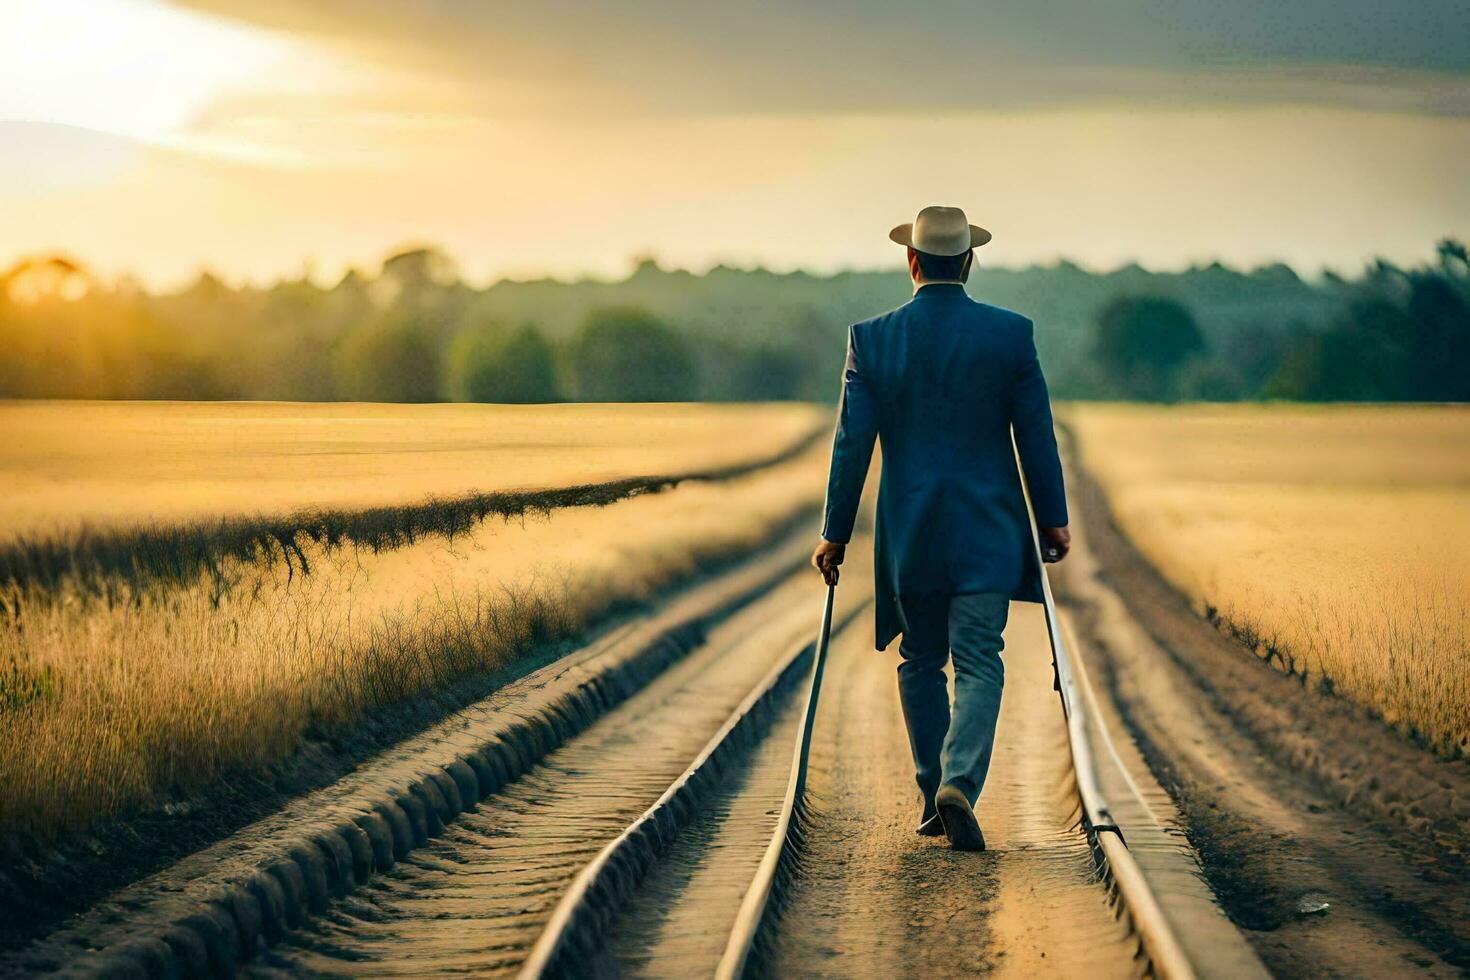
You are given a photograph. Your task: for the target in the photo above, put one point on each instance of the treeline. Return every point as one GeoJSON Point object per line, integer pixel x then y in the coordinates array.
{"type": "Point", "coordinates": [411, 334]}
{"type": "Point", "coordinates": [1397, 335]}
{"type": "Point", "coordinates": [1402, 336]}
{"type": "Point", "coordinates": [415, 331]}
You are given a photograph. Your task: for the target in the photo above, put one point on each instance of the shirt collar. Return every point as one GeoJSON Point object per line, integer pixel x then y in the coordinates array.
{"type": "Point", "coordinates": [940, 288]}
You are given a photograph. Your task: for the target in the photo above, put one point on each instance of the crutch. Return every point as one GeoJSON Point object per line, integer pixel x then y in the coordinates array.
{"type": "Point", "coordinates": [823, 638]}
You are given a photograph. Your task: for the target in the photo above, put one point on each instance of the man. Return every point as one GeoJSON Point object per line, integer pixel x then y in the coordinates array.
{"type": "Point", "coordinates": [943, 381]}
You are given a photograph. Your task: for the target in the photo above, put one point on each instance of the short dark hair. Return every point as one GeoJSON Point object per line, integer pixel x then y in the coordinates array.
{"type": "Point", "coordinates": [942, 266]}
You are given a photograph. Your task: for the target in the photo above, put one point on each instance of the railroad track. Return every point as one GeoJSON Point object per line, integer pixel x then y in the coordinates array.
{"type": "Point", "coordinates": [615, 854]}
{"type": "Point", "coordinates": [571, 944]}
{"type": "Point", "coordinates": [576, 939]}
{"type": "Point", "coordinates": [531, 882]}
{"type": "Point", "coordinates": [566, 877]}
{"type": "Point", "coordinates": [574, 936]}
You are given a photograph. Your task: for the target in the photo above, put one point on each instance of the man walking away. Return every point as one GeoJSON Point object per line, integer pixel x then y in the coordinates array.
{"type": "Point", "coordinates": [943, 381]}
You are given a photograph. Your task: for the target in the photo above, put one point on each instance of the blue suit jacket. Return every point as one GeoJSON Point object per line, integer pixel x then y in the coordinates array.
{"type": "Point", "coordinates": [941, 381]}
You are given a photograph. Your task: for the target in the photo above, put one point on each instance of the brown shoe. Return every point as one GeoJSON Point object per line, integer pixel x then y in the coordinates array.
{"type": "Point", "coordinates": [959, 819]}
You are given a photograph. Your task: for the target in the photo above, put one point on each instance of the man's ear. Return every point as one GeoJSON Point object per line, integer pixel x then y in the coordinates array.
{"type": "Point", "coordinates": [913, 264]}
{"type": "Point", "coordinates": [969, 262]}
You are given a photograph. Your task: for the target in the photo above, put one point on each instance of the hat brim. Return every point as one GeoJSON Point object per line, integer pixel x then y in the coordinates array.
{"type": "Point", "coordinates": [904, 235]}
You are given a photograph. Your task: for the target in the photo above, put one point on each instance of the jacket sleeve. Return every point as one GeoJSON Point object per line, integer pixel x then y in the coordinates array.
{"type": "Point", "coordinates": [852, 448]}
{"type": "Point", "coordinates": [1036, 442]}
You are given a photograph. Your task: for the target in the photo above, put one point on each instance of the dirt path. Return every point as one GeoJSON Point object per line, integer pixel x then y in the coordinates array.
{"type": "Point", "coordinates": [872, 899]}
{"type": "Point", "coordinates": [1332, 843]}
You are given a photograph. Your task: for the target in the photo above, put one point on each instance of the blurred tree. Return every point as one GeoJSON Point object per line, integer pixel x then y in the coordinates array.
{"type": "Point", "coordinates": [1346, 363]}
{"type": "Point", "coordinates": [1142, 342]}
{"type": "Point", "coordinates": [391, 359]}
{"type": "Point", "coordinates": [818, 343]}
{"type": "Point", "coordinates": [1209, 380]}
{"type": "Point", "coordinates": [419, 270]}
{"type": "Point", "coordinates": [1439, 307]}
{"type": "Point", "coordinates": [737, 372]}
{"type": "Point", "coordinates": [1403, 336]}
{"type": "Point", "coordinates": [625, 354]}
{"type": "Point", "coordinates": [45, 278]}
{"type": "Point", "coordinates": [1254, 354]}
{"type": "Point", "coordinates": [295, 343]}
{"type": "Point", "coordinates": [489, 363]}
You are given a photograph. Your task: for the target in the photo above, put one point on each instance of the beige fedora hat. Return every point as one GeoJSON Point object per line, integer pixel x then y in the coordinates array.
{"type": "Point", "coordinates": [940, 231]}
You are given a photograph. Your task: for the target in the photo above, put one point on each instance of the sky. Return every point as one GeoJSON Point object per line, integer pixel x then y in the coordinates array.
{"type": "Point", "coordinates": [565, 137]}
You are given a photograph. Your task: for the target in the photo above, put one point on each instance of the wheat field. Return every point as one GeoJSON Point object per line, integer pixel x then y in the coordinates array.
{"type": "Point", "coordinates": [102, 464]}
{"type": "Point", "coordinates": [109, 703]}
{"type": "Point", "coordinates": [1329, 539]}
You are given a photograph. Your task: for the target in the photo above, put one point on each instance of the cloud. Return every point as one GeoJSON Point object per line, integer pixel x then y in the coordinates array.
{"type": "Point", "coordinates": [1308, 186]}
{"type": "Point", "coordinates": [867, 55]}
{"type": "Point", "coordinates": [43, 158]}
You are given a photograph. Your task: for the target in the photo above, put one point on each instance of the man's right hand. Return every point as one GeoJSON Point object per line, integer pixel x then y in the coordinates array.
{"type": "Point", "coordinates": [1055, 543]}
{"type": "Point", "coordinates": [826, 559]}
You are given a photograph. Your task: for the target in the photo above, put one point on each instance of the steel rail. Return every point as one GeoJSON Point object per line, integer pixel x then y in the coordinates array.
{"type": "Point", "coordinates": [1116, 862]}
{"type": "Point", "coordinates": [583, 910]}
{"type": "Point", "coordinates": [756, 907]}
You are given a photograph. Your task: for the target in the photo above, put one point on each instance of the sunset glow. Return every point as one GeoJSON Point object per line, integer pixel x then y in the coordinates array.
{"type": "Point", "coordinates": [157, 138]}
{"type": "Point", "coordinates": [133, 68]}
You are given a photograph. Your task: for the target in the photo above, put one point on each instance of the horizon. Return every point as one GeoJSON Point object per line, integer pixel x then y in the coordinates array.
{"type": "Point", "coordinates": [309, 272]}
{"type": "Point", "coordinates": [155, 139]}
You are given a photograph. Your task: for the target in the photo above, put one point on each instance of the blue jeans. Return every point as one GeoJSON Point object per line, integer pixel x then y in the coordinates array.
{"type": "Point", "coordinates": [952, 750]}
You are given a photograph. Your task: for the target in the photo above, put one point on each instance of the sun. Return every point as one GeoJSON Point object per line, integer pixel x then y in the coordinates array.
{"type": "Point", "coordinates": [139, 69]}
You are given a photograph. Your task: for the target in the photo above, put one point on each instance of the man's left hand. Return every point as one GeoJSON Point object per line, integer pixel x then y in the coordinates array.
{"type": "Point", "coordinates": [826, 559]}
{"type": "Point", "coordinates": [1055, 543]}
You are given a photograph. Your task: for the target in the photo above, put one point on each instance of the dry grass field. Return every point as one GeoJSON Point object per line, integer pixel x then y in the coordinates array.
{"type": "Point", "coordinates": [103, 464]}
{"type": "Point", "coordinates": [1332, 540]}
{"type": "Point", "coordinates": [111, 702]}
